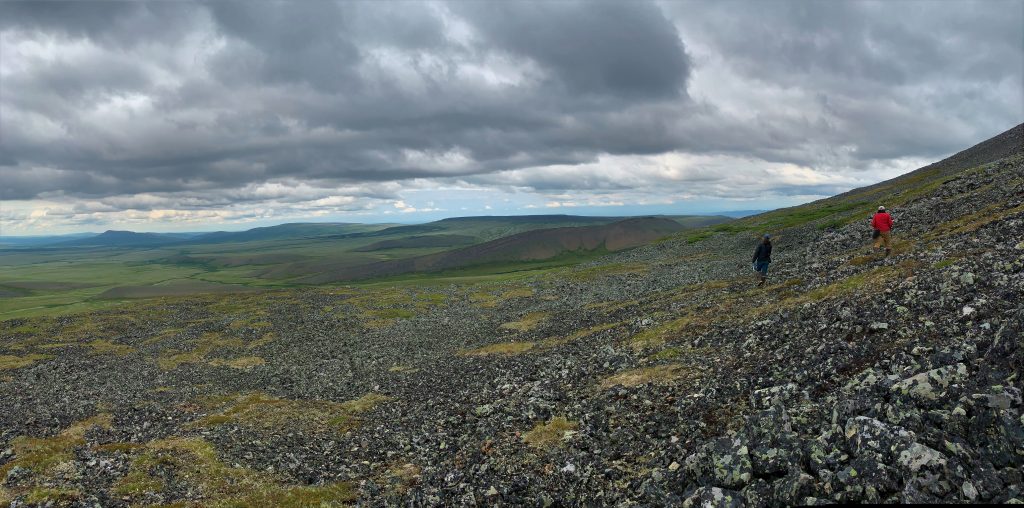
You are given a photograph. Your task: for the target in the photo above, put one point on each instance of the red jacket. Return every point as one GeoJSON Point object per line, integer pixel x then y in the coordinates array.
{"type": "Point", "coordinates": [882, 221]}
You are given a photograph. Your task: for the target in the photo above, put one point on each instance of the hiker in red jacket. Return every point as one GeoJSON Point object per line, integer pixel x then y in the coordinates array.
{"type": "Point", "coordinates": [882, 222]}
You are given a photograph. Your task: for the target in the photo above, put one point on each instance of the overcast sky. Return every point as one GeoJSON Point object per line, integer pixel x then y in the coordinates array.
{"type": "Point", "coordinates": [172, 115]}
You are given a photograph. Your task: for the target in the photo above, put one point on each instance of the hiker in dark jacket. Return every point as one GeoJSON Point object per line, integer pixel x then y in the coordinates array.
{"type": "Point", "coordinates": [762, 257]}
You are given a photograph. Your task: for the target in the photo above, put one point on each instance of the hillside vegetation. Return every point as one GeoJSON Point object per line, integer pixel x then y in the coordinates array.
{"type": "Point", "coordinates": [658, 375]}
{"type": "Point", "coordinates": [105, 270]}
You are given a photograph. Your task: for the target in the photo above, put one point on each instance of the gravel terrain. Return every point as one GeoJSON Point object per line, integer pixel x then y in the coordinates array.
{"type": "Point", "coordinates": [657, 376]}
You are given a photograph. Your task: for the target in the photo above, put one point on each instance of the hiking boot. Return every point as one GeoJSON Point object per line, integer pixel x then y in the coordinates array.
{"type": "Point", "coordinates": [887, 252]}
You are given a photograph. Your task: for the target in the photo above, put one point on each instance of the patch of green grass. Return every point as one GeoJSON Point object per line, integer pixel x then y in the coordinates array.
{"type": "Point", "coordinates": [658, 335]}
{"type": "Point", "coordinates": [30, 328]}
{"type": "Point", "coordinates": [526, 323]}
{"type": "Point", "coordinates": [658, 375]}
{"type": "Point", "coordinates": [262, 411]}
{"type": "Point", "coordinates": [207, 343]}
{"type": "Point", "coordinates": [483, 300]}
{"type": "Point", "coordinates": [783, 219]}
{"type": "Point", "coordinates": [402, 369]}
{"type": "Point", "coordinates": [550, 434]}
{"type": "Point", "coordinates": [391, 313]}
{"type": "Point", "coordinates": [41, 455]}
{"type": "Point", "coordinates": [503, 349]}
{"type": "Point", "coordinates": [56, 496]}
{"type": "Point", "coordinates": [661, 374]}
{"type": "Point", "coordinates": [334, 494]}
{"type": "Point", "coordinates": [267, 338]}
{"type": "Point", "coordinates": [586, 332]}
{"type": "Point", "coordinates": [193, 462]}
{"type": "Point", "coordinates": [787, 218]}
{"type": "Point", "coordinates": [8, 362]}
{"type": "Point", "coordinates": [517, 293]}
{"type": "Point", "coordinates": [241, 363]}
{"type": "Point", "coordinates": [609, 269]}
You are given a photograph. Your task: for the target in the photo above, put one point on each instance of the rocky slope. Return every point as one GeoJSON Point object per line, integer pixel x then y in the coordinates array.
{"type": "Point", "coordinates": [655, 376]}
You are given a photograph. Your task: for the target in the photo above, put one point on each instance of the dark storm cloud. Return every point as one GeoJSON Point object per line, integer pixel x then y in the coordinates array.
{"type": "Point", "coordinates": [287, 42]}
{"type": "Point", "coordinates": [602, 47]}
{"type": "Point", "coordinates": [202, 101]}
{"type": "Point", "coordinates": [115, 23]}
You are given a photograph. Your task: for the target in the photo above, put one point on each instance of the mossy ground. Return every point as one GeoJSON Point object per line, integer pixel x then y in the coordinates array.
{"type": "Point", "coordinates": [193, 462]}
{"type": "Point", "coordinates": [16, 362]}
{"type": "Point", "coordinates": [606, 270]}
{"type": "Point", "coordinates": [241, 363]}
{"type": "Point", "coordinates": [262, 411]}
{"type": "Point", "coordinates": [204, 347]}
{"type": "Point", "coordinates": [660, 374]}
{"type": "Point", "coordinates": [402, 369]}
{"type": "Point", "coordinates": [520, 347]}
{"type": "Point", "coordinates": [528, 322]}
{"type": "Point", "coordinates": [383, 306]}
{"type": "Point", "coordinates": [492, 299]}
{"type": "Point", "coordinates": [48, 457]}
{"type": "Point", "coordinates": [658, 335]}
{"type": "Point", "coordinates": [550, 434]}
{"type": "Point", "coordinates": [504, 348]}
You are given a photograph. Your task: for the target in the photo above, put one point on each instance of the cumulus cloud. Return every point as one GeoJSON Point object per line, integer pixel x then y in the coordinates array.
{"type": "Point", "coordinates": [192, 111]}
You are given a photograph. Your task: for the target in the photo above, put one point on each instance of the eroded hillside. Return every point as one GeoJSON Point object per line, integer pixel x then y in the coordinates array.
{"type": "Point", "coordinates": [656, 376]}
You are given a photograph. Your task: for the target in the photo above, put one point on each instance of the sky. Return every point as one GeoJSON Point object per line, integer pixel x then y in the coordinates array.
{"type": "Point", "coordinates": [227, 115]}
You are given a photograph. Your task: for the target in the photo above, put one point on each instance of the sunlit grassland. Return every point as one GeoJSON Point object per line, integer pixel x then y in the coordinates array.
{"type": "Point", "coordinates": [98, 276]}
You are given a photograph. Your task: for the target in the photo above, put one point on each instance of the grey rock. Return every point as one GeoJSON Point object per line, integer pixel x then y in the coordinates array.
{"type": "Point", "coordinates": [878, 326]}
{"type": "Point", "coordinates": [714, 497]}
{"type": "Point", "coordinates": [930, 385]}
{"type": "Point", "coordinates": [724, 461]}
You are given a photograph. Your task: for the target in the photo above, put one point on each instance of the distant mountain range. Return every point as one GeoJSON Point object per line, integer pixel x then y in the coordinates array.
{"type": "Point", "coordinates": [123, 239]}
{"type": "Point", "coordinates": [492, 227]}
{"type": "Point", "coordinates": [131, 239]}
{"type": "Point", "coordinates": [536, 245]}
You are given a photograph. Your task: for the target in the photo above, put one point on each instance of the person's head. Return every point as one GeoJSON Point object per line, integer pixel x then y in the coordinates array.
{"type": "Point", "coordinates": [881, 209]}
{"type": "Point", "coordinates": [766, 238]}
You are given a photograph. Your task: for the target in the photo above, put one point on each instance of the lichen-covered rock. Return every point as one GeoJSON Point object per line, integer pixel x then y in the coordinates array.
{"type": "Point", "coordinates": [867, 479]}
{"type": "Point", "coordinates": [724, 461]}
{"type": "Point", "coordinates": [869, 383]}
{"type": "Point", "coordinates": [917, 456]}
{"type": "Point", "coordinates": [779, 394]}
{"type": "Point", "coordinates": [865, 435]}
{"type": "Point", "coordinates": [774, 447]}
{"type": "Point", "coordinates": [757, 494]}
{"type": "Point", "coordinates": [826, 452]}
{"type": "Point", "coordinates": [930, 385]}
{"type": "Point", "coordinates": [790, 489]}
{"type": "Point", "coordinates": [1000, 397]}
{"type": "Point", "coordinates": [714, 497]}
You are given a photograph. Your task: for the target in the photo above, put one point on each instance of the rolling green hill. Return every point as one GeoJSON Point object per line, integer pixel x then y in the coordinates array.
{"type": "Point", "coordinates": [104, 270]}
